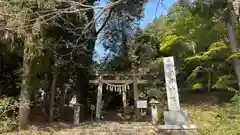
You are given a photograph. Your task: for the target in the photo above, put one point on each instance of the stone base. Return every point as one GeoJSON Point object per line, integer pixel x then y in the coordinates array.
{"type": "Point", "coordinates": [175, 118]}
{"type": "Point", "coordinates": [177, 127]}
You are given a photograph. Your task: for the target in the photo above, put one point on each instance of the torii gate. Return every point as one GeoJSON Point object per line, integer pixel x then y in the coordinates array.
{"type": "Point", "coordinates": [100, 81]}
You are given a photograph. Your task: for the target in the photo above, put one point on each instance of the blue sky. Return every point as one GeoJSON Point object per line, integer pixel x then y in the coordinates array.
{"type": "Point", "coordinates": [150, 10]}
{"type": "Point", "coordinates": [150, 13]}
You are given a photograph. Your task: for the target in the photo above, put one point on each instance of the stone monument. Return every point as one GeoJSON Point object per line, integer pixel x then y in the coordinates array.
{"type": "Point", "coordinates": [174, 118]}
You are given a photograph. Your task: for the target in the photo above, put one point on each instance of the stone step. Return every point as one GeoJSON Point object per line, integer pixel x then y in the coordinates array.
{"type": "Point", "coordinates": [112, 133]}
{"type": "Point", "coordinates": [118, 130]}
{"type": "Point", "coordinates": [111, 128]}
{"type": "Point", "coordinates": [126, 126]}
{"type": "Point", "coordinates": [122, 128]}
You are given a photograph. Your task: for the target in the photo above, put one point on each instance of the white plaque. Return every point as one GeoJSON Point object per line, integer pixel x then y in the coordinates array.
{"type": "Point", "coordinates": [141, 103]}
{"type": "Point", "coordinates": [171, 84]}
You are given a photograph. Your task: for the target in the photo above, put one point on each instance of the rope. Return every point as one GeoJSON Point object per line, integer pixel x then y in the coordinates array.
{"type": "Point", "coordinates": [117, 85]}
{"type": "Point", "coordinates": [118, 88]}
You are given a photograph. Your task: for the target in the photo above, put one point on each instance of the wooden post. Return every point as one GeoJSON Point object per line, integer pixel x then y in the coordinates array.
{"type": "Point", "coordinates": [124, 99]}
{"type": "Point", "coordinates": [99, 98]}
{"type": "Point", "coordinates": [135, 91]}
{"type": "Point", "coordinates": [124, 96]}
{"type": "Point", "coordinates": [53, 89]}
{"type": "Point", "coordinates": [92, 110]}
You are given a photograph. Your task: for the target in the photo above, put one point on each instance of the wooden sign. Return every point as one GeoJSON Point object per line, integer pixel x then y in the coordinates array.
{"type": "Point", "coordinates": [141, 103]}
{"type": "Point", "coordinates": [171, 84]}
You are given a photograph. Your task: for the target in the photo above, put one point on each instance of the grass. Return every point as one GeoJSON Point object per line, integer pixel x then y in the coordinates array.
{"type": "Point", "coordinates": [214, 120]}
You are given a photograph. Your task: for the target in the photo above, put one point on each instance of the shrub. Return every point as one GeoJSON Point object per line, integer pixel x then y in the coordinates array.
{"type": "Point", "coordinates": [8, 114]}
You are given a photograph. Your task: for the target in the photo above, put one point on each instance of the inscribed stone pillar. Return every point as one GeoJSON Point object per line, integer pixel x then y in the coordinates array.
{"type": "Point", "coordinates": [171, 84]}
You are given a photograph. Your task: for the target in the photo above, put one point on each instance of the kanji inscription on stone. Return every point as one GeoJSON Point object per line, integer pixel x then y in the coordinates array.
{"type": "Point", "coordinates": [171, 84]}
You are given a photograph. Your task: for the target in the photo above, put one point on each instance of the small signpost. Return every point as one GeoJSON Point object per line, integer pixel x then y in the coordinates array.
{"type": "Point", "coordinates": [141, 104]}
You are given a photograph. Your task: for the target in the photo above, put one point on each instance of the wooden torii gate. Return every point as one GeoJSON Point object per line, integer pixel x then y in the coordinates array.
{"type": "Point", "coordinates": [100, 81]}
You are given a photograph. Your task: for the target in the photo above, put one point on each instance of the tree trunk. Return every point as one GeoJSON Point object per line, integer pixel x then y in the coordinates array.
{"type": "Point", "coordinates": [82, 87]}
{"type": "Point", "coordinates": [233, 42]}
{"type": "Point", "coordinates": [47, 95]}
{"type": "Point", "coordinates": [82, 81]}
{"type": "Point", "coordinates": [209, 80]}
{"type": "Point", "coordinates": [63, 100]}
{"type": "Point", "coordinates": [136, 94]}
{"type": "Point", "coordinates": [53, 88]}
{"type": "Point", "coordinates": [233, 46]}
{"type": "Point", "coordinates": [25, 90]}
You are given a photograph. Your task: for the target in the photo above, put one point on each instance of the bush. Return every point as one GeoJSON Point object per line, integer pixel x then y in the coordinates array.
{"type": "Point", "coordinates": [8, 114]}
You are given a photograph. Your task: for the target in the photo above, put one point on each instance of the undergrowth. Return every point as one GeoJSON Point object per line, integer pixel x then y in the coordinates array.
{"type": "Point", "coordinates": [217, 120]}
{"type": "Point", "coordinates": [211, 119]}
{"type": "Point", "coordinates": [8, 114]}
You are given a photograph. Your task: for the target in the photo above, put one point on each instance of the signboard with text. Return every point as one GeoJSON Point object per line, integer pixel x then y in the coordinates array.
{"type": "Point", "coordinates": [141, 103]}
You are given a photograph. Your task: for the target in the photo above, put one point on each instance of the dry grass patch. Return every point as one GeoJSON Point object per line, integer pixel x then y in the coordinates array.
{"type": "Point", "coordinates": [214, 120]}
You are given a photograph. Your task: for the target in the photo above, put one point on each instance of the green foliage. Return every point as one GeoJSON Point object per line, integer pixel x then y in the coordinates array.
{"type": "Point", "coordinates": [226, 82]}
{"type": "Point", "coordinates": [205, 63]}
{"type": "Point", "coordinates": [215, 48]}
{"type": "Point", "coordinates": [168, 41]}
{"type": "Point", "coordinates": [8, 114]}
{"type": "Point", "coordinates": [234, 105]}
{"type": "Point", "coordinates": [196, 40]}
{"type": "Point", "coordinates": [197, 86]}
{"type": "Point", "coordinates": [155, 92]}
{"type": "Point", "coordinates": [236, 100]}
{"type": "Point", "coordinates": [237, 54]}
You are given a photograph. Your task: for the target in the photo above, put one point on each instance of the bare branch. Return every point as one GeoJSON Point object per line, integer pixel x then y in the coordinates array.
{"type": "Point", "coordinates": [105, 22]}
{"type": "Point", "coordinates": [110, 5]}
